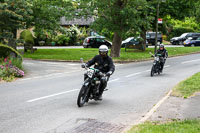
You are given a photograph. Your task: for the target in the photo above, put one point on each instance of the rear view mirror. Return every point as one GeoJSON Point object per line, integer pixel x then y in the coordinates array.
{"type": "Point", "coordinates": [81, 59]}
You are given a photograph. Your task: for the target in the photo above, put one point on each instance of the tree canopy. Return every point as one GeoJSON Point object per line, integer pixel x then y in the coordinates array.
{"type": "Point", "coordinates": [13, 15]}
{"type": "Point", "coordinates": [40, 14]}
{"type": "Point", "coordinates": [118, 16]}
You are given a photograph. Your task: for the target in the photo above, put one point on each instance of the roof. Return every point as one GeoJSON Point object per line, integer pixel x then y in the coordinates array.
{"type": "Point", "coordinates": [77, 21]}
{"type": "Point", "coordinates": [96, 37]}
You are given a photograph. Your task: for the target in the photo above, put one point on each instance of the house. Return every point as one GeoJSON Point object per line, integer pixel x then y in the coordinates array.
{"type": "Point", "coordinates": [80, 22]}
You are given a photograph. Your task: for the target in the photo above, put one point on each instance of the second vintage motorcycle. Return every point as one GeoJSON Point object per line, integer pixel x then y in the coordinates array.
{"type": "Point", "coordinates": [156, 64]}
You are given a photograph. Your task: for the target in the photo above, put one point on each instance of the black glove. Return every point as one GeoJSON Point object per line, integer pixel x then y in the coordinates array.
{"type": "Point", "coordinates": [109, 73]}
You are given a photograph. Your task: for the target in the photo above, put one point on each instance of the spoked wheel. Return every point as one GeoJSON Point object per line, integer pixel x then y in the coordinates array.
{"type": "Point", "coordinates": [82, 96]}
{"type": "Point", "coordinates": [152, 71]}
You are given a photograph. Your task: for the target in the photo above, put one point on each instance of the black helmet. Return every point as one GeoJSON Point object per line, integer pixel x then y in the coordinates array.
{"type": "Point", "coordinates": [103, 50]}
{"type": "Point", "coordinates": [161, 46]}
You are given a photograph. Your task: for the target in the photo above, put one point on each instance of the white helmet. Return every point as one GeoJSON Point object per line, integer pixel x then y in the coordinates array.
{"type": "Point", "coordinates": [103, 50]}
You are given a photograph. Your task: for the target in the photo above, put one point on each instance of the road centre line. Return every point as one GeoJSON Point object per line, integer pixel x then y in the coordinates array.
{"type": "Point", "coordinates": [131, 75]}
{"type": "Point", "coordinates": [134, 74]}
{"type": "Point", "coordinates": [148, 70]}
{"type": "Point", "coordinates": [190, 61]}
{"type": "Point", "coordinates": [45, 97]}
{"type": "Point", "coordinates": [167, 66]}
{"type": "Point", "coordinates": [53, 95]}
{"type": "Point", "coordinates": [113, 80]}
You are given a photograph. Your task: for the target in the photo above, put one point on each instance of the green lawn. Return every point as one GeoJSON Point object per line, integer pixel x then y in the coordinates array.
{"type": "Point", "coordinates": [187, 126]}
{"type": "Point", "coordinates": [76, 54]}
{"type": "Point", "coordinates": [188, 87]}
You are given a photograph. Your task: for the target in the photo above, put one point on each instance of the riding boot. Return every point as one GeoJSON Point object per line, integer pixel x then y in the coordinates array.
{"type": "Point", "coordinates": [101, 89]}
{"type": "Point", "coordinates": [161, 67]}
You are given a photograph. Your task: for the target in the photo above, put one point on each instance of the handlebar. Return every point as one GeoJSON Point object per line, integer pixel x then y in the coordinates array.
{"type": "Point", "coordinates": [154, 55]}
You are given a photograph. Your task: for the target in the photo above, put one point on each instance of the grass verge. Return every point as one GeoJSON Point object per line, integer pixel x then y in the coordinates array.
{"type": "Point", "coordinates": [186, 126]}
{"type": "Point", "coordinates": [130, 55]}
{"type": "Point", "coordinates": [188, 87]}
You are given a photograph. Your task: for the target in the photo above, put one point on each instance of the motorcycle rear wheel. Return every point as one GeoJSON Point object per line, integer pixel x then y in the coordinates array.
{"type": "Point", "coordinates": [82, 96]}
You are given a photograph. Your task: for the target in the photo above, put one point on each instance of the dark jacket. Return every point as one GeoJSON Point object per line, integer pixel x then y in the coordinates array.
{"type": "Point", "coordinates": [103, 64]}
{"type": "Point", "coordinates": [163, 53]}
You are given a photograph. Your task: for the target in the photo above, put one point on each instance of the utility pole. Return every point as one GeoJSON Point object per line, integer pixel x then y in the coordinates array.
{"type": "Point", "coordinates": [157, 15]}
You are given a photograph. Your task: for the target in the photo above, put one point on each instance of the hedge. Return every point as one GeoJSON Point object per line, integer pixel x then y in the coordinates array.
{"type": "Point", "coordinates": [6, 51]}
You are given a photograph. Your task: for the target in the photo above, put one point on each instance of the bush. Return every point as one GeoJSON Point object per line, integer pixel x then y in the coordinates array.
{"type": "Point", "coordinates": [62, 40]}
{"type": "Point", "coordinates": [6, 51]}
{"type": "Point", "coordinates": [9, 69]}
{"type": "Point", "coordinates": [177, 31]}
{"type": "Point", "coordinates": [72, 37]}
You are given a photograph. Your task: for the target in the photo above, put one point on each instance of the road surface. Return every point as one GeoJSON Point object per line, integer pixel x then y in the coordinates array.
{"type": "Point", "coordinates": [44, 101]}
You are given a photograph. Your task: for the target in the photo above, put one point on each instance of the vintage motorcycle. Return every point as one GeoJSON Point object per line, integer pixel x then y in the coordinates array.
{"type": "Point", "coordinates": [156, 64]}
{"type": "Point", "coordinates": [91, 85]}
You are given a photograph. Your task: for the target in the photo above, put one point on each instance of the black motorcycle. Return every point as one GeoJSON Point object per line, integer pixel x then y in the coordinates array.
{"type": "Point", "coordinates": [156, 68]}
{"type": "Point", "coordinates": [90, 87]}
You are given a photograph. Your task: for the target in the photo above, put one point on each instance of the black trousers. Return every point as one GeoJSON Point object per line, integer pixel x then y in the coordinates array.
{"type": "Point", "coordinates": [162, 63]}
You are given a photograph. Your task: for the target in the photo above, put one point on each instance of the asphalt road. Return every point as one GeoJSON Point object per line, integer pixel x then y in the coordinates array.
{"type": "Point", "coordinates": [44, 101]}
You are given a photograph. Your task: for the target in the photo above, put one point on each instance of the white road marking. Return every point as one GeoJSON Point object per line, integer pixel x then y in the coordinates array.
{"type": "Point", "coordinates": [148, 115]}
{"type": "Point", "coordinates": [28, 63]}
{"type": "Point", "coordinates": [131, 75]}
{"type": "Point", "coordinates": [148, 70]}
{"type": "Point", "coordinates": [49, 75]}
{"type": "Point", "coordinates": [167, 66]}
{"type": "Point", "coordinates": [134, 74]}
{"type": "Point", "coordinates": [190, 61]}
{"type": "Point", "coordinates": [52, 63]}
{"type": "Point", "coordinates": [113, 80]}
{"type": "Point", "coordinates": [53, 95]}
{"type": "Point", "coordinates": [119, 64]}
{"type": "Point", "coordinates": [74, 64]}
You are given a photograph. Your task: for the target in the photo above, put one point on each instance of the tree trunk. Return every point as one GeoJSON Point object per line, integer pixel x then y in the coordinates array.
{"type": "Point", "coordinates": [143, 35]}
{"type": "Point", "coordinates": [116, 45]}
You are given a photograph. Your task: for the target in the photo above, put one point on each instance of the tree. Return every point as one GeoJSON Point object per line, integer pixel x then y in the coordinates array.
{"type": "Point", "coordinates": [177, 9]}
{"type": "Point", "coordinates": [13, 15]}
{"type": "Point", "coordinates": [118, 16]}
{"type": "Point", "coordinates": [47, 14]}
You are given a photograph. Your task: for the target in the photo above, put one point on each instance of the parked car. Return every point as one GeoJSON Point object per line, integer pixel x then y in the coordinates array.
{"type": "Point", "coordinates": [151, 38]}
{"type": "Point", "coordinates": [195, 41]}
{"type": "Point", "coordinates": [130, 41]}
{"type": "Point", "coordinates": [182, 38]}
{"type": "Point", "coordinates": [96, 42]}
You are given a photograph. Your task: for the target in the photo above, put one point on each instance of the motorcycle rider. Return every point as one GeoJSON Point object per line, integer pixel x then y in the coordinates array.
{"type": "Point", "coordinates": [104, 63]}
{"type": "Point", "coordinates": [164, 54]}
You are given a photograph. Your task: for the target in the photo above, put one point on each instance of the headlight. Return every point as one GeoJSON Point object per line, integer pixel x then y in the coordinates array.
{"type": "Point", "coordinates": [157, 58]}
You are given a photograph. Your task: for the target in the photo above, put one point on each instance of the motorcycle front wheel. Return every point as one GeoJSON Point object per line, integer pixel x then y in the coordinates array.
{"type": "Point", "coordinates": [152, 71]}
{"type": "Point", "coordinates": [82, 96]}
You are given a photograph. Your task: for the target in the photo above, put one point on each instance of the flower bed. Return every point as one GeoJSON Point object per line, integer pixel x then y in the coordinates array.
{"type": "Point", "coordinates": [10, 68]}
